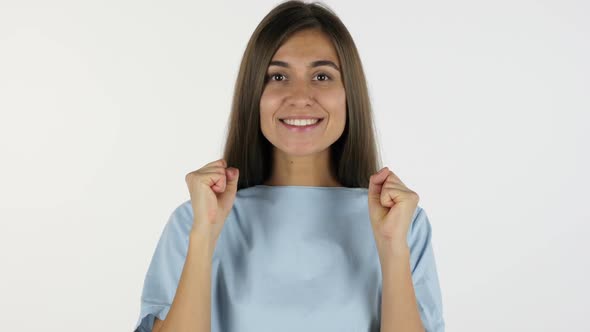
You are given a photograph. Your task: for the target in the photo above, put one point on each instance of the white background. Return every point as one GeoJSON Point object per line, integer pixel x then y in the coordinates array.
{"type": "Point", "coordinates": [482, 108]}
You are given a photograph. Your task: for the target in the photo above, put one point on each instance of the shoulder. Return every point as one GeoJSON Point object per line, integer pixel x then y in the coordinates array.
{"type": "Point", "coordinates": [180, 220]}
{"type": "Point", "coordinates": [420, 228]}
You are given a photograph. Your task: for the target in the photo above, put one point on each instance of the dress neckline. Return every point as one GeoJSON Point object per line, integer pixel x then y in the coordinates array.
{"type": "Point", "coordinates": [264, 186]}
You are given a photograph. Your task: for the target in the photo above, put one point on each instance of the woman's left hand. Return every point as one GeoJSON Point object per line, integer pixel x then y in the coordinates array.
{"type": "Point", "coordinates": [391, 208]}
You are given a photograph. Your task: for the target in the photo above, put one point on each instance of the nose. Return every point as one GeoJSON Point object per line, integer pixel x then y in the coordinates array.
{"type": "Point", "coordinates": [300, 94]}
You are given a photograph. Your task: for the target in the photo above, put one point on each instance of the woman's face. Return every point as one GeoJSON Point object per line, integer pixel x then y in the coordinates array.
{"type": "Point", "coordinates": [298, 87]}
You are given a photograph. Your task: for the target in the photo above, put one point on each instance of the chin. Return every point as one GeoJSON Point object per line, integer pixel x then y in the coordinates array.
{"type": "Point", "coordinates": [301, 151]}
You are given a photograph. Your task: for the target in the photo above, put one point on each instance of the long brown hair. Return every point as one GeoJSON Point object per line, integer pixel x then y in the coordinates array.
{"type": "Point", "coordinates": [354, 156]}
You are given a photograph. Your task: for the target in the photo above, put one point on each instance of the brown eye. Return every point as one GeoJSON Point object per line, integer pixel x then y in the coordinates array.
{"type": "Point", "coordinates": [271, 76]}
{"type": "Point", "coordinates": [322, 74]}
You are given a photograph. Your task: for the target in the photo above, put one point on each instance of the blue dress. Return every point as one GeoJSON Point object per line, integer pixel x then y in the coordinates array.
{"type": "Point", "coordinates": [292, 258]}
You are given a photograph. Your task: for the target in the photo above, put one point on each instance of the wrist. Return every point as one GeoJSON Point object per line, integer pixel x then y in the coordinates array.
{"type": "Point", "coordinates": [394, 254]}
{"type": "Point", "coordinates": [395, 247]}
{"type": "Point", "coordinates": [202, 242]}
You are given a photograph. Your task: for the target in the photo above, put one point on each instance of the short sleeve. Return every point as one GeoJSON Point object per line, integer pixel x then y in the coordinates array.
{"type": "Point", "coordinates": [165, 268]}
{"type": "Point", "coordinates": [424, 273]}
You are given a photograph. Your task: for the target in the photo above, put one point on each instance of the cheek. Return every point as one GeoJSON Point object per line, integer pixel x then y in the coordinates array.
{"type": "Point", "coordinates": [269, 104]}
{"type": "Point", "coordinates": [335, 103]}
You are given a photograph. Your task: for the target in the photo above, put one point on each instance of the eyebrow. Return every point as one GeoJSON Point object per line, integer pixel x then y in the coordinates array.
{"type": "Point", "coordinates": [312, 64]}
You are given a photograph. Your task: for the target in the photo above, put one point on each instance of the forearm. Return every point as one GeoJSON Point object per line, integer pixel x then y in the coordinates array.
{"type": "Point", "coordinates": [399, 309]}
{"type": "Point", "coordinates": [191, 309]}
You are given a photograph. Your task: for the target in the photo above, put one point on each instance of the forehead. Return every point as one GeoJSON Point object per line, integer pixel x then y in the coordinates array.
{"type": "Point", "coordinates": [306, 46]}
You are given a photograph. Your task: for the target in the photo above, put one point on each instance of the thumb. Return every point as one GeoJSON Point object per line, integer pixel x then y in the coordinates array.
{"type": "Point", "coordinates": [376, 181]}
{"type": "Point", "coordinates": [226, 199]}
{"type": "Point", "coordinates": [375, 184]}
{"type": "Point", "coordinates": [232, 175]}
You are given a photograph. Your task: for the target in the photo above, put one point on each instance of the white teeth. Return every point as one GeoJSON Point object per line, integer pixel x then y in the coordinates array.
{"type": "Point", "coordinates": [302, 123]}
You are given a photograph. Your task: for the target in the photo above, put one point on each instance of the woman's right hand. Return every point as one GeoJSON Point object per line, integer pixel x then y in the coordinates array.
{"type": "Point", "coordinates": [212, 190]}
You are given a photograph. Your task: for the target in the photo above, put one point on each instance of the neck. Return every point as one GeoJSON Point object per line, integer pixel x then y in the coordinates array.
{"type": "Point", "coordinates": [308, 170]}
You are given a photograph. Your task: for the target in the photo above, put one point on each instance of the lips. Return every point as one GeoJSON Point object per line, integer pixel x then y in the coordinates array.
{"type": "Point", "coordinates": [301, 118]}
{"type": "Point", "coordinates": [302, 128]}
{"type": "Point", "coordinates": [319, 119]}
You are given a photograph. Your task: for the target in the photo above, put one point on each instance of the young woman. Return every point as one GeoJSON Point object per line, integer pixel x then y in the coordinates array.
{"type": "Point", "coordinates": [302, 232]}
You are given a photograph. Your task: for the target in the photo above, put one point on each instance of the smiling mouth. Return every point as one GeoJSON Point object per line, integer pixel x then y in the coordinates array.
{"type": "Point", "coordinates": [294, 120]}
{"type": "Point", "coordinates": [302, 128]}
{"type": "Point", "coordinates": [301, 119]}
